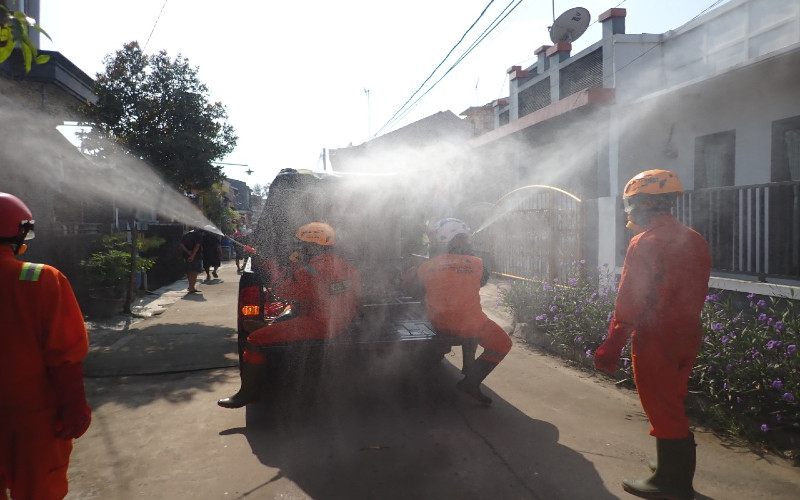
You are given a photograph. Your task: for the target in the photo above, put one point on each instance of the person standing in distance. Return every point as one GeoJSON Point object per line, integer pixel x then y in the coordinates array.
{"type": "Point", "coordinates": [192, 248]}
{"type": "Point", "coordinates": [661, 294]}
{"type": "Point", "coordinates": [42, 346]}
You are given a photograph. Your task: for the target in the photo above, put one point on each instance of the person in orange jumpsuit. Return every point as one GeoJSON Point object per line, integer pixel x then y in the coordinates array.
{"type": "Point", "coordinates": [661, 294]}
{"type": "Point", "coordinates": [42, 345]}
{"type": "Point", "coordinates": [325, 292]}
{"type": "Point", "coordinates": [452, 279]}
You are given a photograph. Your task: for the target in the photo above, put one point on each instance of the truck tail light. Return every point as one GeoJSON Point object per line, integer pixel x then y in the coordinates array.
{"type": "Point", "coordinates": [250, 301]}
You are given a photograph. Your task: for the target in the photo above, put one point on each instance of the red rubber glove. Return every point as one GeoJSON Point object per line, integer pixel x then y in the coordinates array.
{"type": "Point", "coordinates": [607, 355]}
{"type": "Point", "coordinates": [73, 413]}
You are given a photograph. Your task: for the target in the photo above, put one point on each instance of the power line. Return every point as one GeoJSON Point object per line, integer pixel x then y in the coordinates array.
{"type": "Point", "coordinates": [437, 67]}
{"type": "Point", "coordinates": [154, 25]}
{"type": "Point", "coordinates": [478, 41]}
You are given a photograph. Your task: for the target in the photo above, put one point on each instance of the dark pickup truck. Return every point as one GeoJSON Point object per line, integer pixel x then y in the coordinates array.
{"type": "Point", "coordinates": [378, 230]}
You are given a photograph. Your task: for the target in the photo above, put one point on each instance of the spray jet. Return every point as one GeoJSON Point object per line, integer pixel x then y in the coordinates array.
{"type": "Point", "coordinates": [497, 215]}
{"type": "Point", "coordinates": [213, 229]}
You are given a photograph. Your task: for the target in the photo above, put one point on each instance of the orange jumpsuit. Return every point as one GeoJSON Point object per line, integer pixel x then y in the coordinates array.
{"type": "Point", "coordinates": [452, 285]}
{"type": "Point", "coordinates": [327, 293]}
{"type": "Point", "coordinates": [661, 294]}
{"type": "Point", "coordinates": [42, 327]}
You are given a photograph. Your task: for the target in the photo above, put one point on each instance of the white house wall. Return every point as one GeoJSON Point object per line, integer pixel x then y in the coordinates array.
{"type": "Point", "coordinates": [736, 68]}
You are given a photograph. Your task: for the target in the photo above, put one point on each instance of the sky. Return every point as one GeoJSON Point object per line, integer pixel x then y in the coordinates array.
{"type": "Point", "coordinates": [300, 77]}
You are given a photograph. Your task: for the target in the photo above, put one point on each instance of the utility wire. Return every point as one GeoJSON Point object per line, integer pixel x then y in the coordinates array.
{"type": "Point", "coordinates": [437, 67]}
{"type": "Point", "coordinates": [154, 25]}
{"type": "Point", "coordinates": [477, 42]}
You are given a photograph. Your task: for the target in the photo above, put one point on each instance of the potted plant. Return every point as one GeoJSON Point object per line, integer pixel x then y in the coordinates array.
{"type": "Point", "coordinates": [108, 270]}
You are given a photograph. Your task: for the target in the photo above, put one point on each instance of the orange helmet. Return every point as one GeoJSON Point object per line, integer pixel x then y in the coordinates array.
{"type": "Point", "coordinates": [317, 232]}
{"type": "Point", "coordinates": [653, 182]}
{"type": "Point", "coordinates": [16, 219]}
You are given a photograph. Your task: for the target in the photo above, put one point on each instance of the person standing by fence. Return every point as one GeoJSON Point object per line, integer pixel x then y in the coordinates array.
{"type": "Point", "coordinates": [661, 294]}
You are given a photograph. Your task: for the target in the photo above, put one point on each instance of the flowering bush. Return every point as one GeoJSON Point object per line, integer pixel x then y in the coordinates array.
{"type": "Point", "coordinates": [573, 314]}
{"type": "Point", "coordinates": [748, 365]}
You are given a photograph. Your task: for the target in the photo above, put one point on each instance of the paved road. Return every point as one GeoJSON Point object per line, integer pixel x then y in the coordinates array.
{"type": "Point", "coordinates": [368, 430]}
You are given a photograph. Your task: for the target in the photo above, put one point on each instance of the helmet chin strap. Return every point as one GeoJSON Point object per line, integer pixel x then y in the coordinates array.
{"type": "Point", "coordinates": [634, 226]}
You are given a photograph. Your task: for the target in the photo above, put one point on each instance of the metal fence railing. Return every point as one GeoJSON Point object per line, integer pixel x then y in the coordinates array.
{"type": "Point", "coordinates": [752, 230]}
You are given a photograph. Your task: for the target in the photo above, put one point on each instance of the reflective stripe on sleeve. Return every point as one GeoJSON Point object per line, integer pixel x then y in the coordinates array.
{"type": "Point", "coordinates": [30, 271]}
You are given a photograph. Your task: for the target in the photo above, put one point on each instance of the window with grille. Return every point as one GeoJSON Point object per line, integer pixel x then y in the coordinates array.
{"type": "Point", "coordinates": [534, 97]}
{"type": "Point", "coordinates": [586, 72]}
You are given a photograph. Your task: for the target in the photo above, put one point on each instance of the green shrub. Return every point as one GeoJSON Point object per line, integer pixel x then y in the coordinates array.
{"type": "Point", "coordinates": [109, 266]}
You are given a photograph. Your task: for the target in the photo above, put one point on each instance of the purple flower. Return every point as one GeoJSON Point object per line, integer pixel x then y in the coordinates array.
{"type": "Point", "coordinates": [725, 386]}
{"type": "Point", "coordinates": [750, 295]}
{"type": "Point", "coordinates": [553, 308]}
{"type": "Point", "coordinates": [578, 339]}
{"type": "Point", "coordinates": [791, 349]}
{"type": "Point", "coordinates": [761, 303]}
{"type": "Point", "coordinates": [541, 317]}
{"type": "Point", "coordinates": [777, 384]}
{"type": "Point", "coordinates": [788, 396]}
{"type": "Point", "coordinates": [728, 367]}
{"type": "Point", "coordinates": [712, 298]}
{"type": "Point", "coordinates": [589, 353]}
{"type": "Point", "coordinates": [717, 327]}
{"type": "Point", "coordinates": [738, 400]}
{"type": "Point", "coordinates": [779, 326]}
{"type": "Point", "coordinates": [725, 339]}
{"type": "Point", "coordinates": [754, 354]}
{"type": "Point", "coordinates": [762, 317]}
{"type": "Point", "coordinates": [772, 344]}
{"type": "Point", "coordinates": [778, 416]}
{"type": "Point", "coordinates": [764, 427]}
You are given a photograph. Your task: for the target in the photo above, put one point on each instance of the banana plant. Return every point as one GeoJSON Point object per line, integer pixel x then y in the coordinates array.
{"type": "Point", "coordinates": [14, 28]}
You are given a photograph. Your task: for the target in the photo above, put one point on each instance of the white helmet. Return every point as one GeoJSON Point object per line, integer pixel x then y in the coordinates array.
{"type": "Point", "coordinates": [441, 233]}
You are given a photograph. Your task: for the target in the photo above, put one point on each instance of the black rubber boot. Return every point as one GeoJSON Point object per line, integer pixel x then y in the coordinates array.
{"type": "Point", "coordinates": [252, 377]}
{"type": "Point", "coordinates": [471, 383]}
{"type": "Point", "coordinates": [672, 479]}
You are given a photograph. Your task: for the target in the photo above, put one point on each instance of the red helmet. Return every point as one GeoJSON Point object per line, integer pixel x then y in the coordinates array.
{"type": "Point", "coordinates": [16, 218]}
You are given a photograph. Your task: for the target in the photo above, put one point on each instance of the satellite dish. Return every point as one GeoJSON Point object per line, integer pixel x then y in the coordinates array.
{"type": "Point", "coordinates": [570, 25]}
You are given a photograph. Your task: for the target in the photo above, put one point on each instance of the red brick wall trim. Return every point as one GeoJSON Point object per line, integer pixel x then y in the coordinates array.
{"type": "Point", "coordinates": [612, 13]}
{"type": "Point", "coordinates": [559, 47]}
{"type": "Point", "coordinates": [541, 49]}
{"type": "Point", "coordinates": [594, 95]}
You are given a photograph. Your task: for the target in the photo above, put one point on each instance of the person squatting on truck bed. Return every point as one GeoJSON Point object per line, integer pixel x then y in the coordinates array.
{"type": "Point", "coordinates": [326, 293]}
{"type": "Point", "coordinates": [661, 294]}
{"type": "Point", "coordinates": [451, 280]}
{"type": "Point", "coordinates": [42, 346]}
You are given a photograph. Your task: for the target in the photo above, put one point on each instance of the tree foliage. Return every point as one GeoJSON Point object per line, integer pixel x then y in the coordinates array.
{"type": "Point", "coordinates": [157, 109]}
{"type": "Point", "coordinates": [14, 28]}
